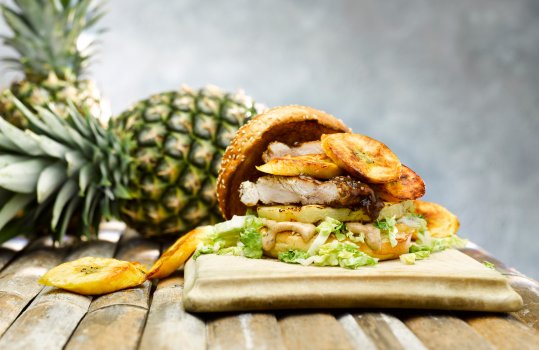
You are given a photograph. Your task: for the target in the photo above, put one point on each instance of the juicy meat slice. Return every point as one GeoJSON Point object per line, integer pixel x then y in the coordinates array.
{"type": "Point", "coordinates": [249, 193]}
{"type": "Point", "coordinates": [341, 191]}
{"type": "Point", "coordinates": [278, 149]}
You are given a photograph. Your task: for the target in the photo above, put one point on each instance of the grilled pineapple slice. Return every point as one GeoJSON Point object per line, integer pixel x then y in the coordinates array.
{"type": "Point", "coordinates": [94, 276]}
{"type": "Point", "coordinates": [409, 185]}
{"type": "Point", "coordinates": [178, 253]}
{"type": "Point", "coordinates": [440, 221]}
{"type": "Point", "coordinates": [363, 157]}
{"type": "Point", "coordinates": [318, 166]}
{"type": "Point", "coordinates": [310, 213]}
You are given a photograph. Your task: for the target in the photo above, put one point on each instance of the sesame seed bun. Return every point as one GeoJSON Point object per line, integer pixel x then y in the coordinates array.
{"type": "Point", "coordinates": [287, 124]}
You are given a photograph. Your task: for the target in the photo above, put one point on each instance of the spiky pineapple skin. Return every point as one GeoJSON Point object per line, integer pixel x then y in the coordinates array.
{"type": "Point", "coordinates": [82, 93]}
{"type": "Point", "coordinates": [177, 141]}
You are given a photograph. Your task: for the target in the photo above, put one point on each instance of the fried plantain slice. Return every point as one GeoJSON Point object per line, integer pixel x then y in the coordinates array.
{"type": "Point", "coordinates": [363, 157]}
{"type": "Point", "coordinates": [318, 166]}
{"type": "Point", "coordinates": [409, 185]}
{"type": "Point", "coordinates": [440, 221]}
{"type": "Point", "coordinates": [94, 276]}
{"type": "Point", "coordinates": [178, 253]}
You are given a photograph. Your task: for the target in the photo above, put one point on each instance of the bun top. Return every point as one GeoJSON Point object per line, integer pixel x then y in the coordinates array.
{"type": "Point", "coordinates": [287, 124]}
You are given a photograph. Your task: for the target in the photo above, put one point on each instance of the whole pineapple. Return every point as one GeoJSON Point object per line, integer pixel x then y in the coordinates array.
{"type": "Point", "coordinates": [48, 38]}
{"type": "Point", "coordinates": [178, 139]}
{"type": "Point", "coordinates": [155, 166]}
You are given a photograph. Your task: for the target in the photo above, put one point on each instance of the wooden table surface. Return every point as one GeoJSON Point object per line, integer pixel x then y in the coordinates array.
{"type": "Point", "coordinates": [152, 316]}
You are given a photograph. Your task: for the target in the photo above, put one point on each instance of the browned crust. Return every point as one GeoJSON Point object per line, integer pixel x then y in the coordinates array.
{"type": "Point", "coordinates": [349, 151]}
{"type": "Point", "coordinates": [409, 185]}
{"type": "Point", "coordinates": [440, 221]}
{"type": "Point", "coordinates": [287, 124]}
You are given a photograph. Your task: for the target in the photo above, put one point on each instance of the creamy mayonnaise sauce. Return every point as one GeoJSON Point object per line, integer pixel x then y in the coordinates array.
{"type": "Point", "coordinates": [306, 231]}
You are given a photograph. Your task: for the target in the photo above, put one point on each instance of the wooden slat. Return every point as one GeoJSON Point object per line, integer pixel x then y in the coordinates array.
{"type": "Point", "coordinates": [387, 331]}
{"type": "Point", "coordinates": [378, 331]}
{"type": "Point", "coordinates": [168, 325]}
{"type": "Point", "coordinates": [314, 331]}
{"type": "Point", "coordinates": [9, 249]}
{"type": "Point", "coordinates": [18, 281]}
{"type": "Point", "coordinates": [405, 336]}
{"type": "Point", "coordinates": [442, 331]}
{"type": "Point", "coordinates": [245, 331]}
{"type": "Point", "coordinates": [51, 318]}
{"type": "Point", "coordinates": [358, 338]}
{"type": "Point", "coordinates": [116, 320]}
{"type": "Point", "coordinates": [5, 256]}
{"type": "Point", "coordinates": [504, 332]}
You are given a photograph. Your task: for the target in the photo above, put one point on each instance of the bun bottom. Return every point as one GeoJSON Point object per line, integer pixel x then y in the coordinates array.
{"type": "Point", "coordinates": [289, 240]}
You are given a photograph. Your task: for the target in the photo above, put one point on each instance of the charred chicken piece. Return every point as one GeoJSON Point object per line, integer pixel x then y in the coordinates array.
{"type": "Point", "coordinates": [341, 191]}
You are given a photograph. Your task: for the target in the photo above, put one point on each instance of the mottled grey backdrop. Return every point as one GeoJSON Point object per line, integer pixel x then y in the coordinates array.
{"type": "Point", "coordinates": [451, 86]}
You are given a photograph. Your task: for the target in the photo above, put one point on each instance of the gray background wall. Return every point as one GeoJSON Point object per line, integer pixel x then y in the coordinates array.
{"type": "Point", "coordinates": [451, 86]}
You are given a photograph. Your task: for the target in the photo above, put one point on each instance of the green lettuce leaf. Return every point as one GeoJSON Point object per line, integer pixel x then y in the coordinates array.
{"type": "Point", "coordinates": [432, 244]}
{"type": "Point", "coordinates": [225, 234]}
{"type": "Point", "coordinates": [425, 245]}
{"type": "Point", "coordinates": [387, 226]}
{"type": "Point", "coordinates": [343, 254]}
{"type": "Point", "coordinates": [251, 238]}
{"type": "Point", "coordinates": [293, 256]}
{"type": "Point", "coordinates": [422, 254]}
{"type": "Point", "coordinates": [411, 258]}
{"type": "Point", "coordinates": [489, 265]}
{"type": "Point", "coordinates": [397, 210]}
{"type": "Point", "coordinates": [408, 259]}
{"type": "Point", "coordinates": [324, 229]}
{"type": "Point", "coordinates": [239, 236]}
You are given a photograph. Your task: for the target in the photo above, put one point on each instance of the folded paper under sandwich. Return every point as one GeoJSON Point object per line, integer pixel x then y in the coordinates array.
{"type": "Point", "coordinates": [448, 280]}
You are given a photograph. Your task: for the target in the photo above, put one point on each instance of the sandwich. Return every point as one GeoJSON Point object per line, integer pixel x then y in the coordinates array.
{"type": "Point", "coordinates": [296, 184]}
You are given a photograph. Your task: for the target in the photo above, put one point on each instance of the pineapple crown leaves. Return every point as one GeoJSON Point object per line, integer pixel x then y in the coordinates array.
{"type": "Point", "coordinates": [47, 36]}
{"type": "Point", "coordinates": [60, 171]}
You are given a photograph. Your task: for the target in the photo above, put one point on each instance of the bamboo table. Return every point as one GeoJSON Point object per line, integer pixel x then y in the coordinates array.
{"type": "Point", "coordinates": [152, 316]}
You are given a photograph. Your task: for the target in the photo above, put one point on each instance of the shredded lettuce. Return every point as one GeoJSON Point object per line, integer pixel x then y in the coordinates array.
{"type": "Point", "coordinates": [387, 226]}
{"type": "Point", "coordinates": [293, 256]}
{"type": "Point", "coordinates": [408, 259]}
{"type": "Point", "coordinates": [425, 245]}
{"type": "Point", "coordinates": [343, 254]}
{"type": "Point", "coordinates": [432, 244]}
{"type": "Point", "coordinates": [239, 236]}
{"type": "Point", "coordinates": [236, 250]}
{"type": "Point", "coordinates": [489, 265]}
{"type": "Point", "coordinates": [324, 229]}
{"type": "Point", "coordinates": [225, 234]}
{"type": "Point", "coordinates": [251, 238]}
{"type": "Point", "coordinates": [422, 254]}
{"type": "Point", "coordinates": [397, 210]}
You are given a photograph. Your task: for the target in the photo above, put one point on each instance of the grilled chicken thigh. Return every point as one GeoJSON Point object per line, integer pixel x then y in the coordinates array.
{"type": "Point", "coordinates": [338, 192]}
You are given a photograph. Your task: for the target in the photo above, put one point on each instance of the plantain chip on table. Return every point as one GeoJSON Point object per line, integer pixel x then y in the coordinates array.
{"type": "Point", "coordinates": [95, 276]}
